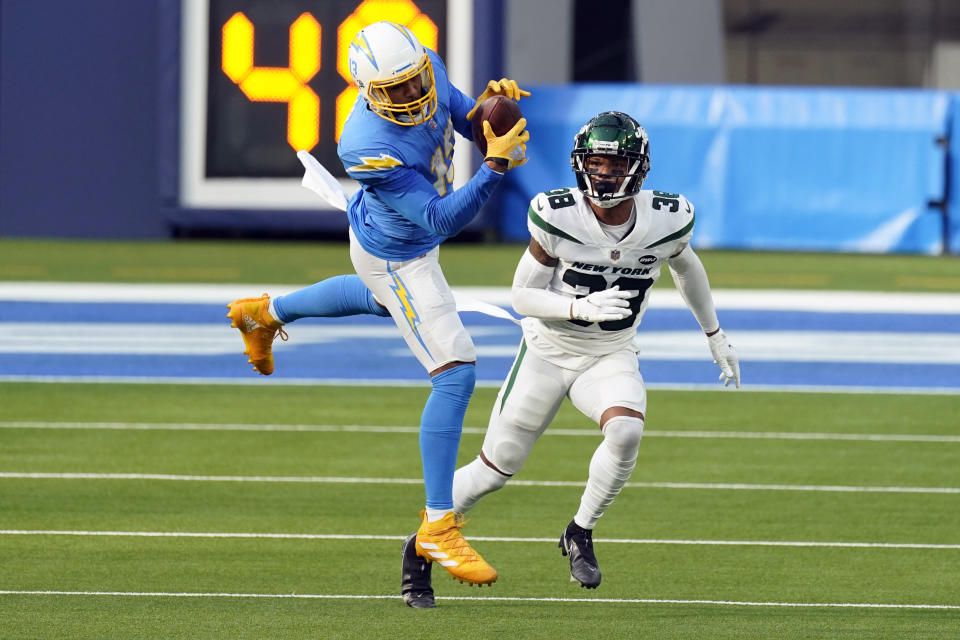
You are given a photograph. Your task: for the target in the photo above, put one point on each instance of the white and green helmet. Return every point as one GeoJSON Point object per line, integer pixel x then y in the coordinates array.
{"type": "Point", "coordinates": [611, 133]}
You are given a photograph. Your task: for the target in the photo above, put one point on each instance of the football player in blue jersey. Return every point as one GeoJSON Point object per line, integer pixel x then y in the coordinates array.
{"type": "Point", "coordinates": [398, 144]}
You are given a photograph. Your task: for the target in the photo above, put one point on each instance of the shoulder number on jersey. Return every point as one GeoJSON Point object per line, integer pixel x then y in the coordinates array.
{"type": "Point", "coordinates": [670, 201]}
{"type": "Point", "coordinates": [559, 198]}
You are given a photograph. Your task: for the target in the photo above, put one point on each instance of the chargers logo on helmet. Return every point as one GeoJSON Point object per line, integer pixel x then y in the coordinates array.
{"type": "Point", "coordinates": [384, 57]}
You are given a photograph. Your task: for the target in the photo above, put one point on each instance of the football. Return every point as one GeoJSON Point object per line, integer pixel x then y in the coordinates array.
{"type": "Point", "coordinates": [501, 112]}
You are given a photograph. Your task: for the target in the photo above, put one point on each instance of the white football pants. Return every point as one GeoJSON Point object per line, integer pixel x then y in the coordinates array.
{"type": "Point", "coordinates": [527, 403]}
{"type": "Point", "coordinates": [420, 302]}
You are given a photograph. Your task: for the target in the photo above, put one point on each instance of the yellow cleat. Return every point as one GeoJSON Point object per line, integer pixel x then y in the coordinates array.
{"type": "Point", "coordinates": [441, 542]}
{"type": "Point", "coordinates": [258, 328]}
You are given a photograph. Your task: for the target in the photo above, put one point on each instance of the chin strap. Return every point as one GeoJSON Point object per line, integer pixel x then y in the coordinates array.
{"type": "Point", "coordinates": [607, 204]}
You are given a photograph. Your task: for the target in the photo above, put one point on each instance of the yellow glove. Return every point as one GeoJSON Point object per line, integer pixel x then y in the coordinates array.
{"type": "Point", "coordinates": [501, 87]}
{"type": "Point", "coordinates": [511, 146]}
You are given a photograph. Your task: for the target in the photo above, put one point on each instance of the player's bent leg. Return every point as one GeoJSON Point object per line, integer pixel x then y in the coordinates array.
{"type": "Point", "coordinates": [612, 393]}
{"type": "Point", "coordinates": [440, 427]}
{"type": "Point", "coordinates": [334, 297]}
{"type": "Point", "coordinates": [610, 468]}
{"type": "Point", "coordinates": [526, 404]}
{"type": "Point", "coordinates": [415, 587]}
{"type": "Point", "coordinates": [439, 539]}
{"type": "Point", "coordinates": [424, 310]}
{"type": "Point", "coordinates": [258, 329]}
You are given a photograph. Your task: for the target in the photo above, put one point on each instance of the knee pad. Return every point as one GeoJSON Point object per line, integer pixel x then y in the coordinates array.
{"type": "Point", "coordinates": [509, 440]}
{"type": "Point", "coordinates": [508, 456]}
{"type": "Point", "coordinates": [623, 433]}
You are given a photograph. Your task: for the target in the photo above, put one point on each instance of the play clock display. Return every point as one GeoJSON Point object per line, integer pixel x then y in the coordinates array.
{"type": "Point", "coordinates": [278, 82]}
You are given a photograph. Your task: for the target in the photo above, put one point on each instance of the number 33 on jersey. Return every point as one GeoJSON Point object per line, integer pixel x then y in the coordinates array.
{"type": "Point", "coordinates": [590, 260]}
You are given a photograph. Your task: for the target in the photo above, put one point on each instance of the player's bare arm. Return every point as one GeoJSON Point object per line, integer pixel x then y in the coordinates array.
{"type": "Point", "coordinates": [540, 254]}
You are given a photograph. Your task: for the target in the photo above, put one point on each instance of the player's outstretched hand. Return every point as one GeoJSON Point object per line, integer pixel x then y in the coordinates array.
{"type": "Point", "coordinates": [501, 87]}
{"type": "Point", "coordinates": [511, 146]}
{"type": "Point", "coordinates": [602, 306]}
{"type": "Point", "coordinates": [725, 356]}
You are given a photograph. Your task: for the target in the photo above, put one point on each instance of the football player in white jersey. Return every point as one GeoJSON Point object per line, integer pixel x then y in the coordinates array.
{"type": "Point", "coordinates": [583, 286]}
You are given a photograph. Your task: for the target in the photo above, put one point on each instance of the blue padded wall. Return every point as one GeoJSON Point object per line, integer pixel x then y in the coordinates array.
{"type": "Point", "coordinates": [766, 168]}
{"type": "Point", "coordinates": [952, 230]}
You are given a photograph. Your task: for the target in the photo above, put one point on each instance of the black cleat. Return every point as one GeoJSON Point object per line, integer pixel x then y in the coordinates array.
{"type": "Point", "coordinates": [415, 577]}
{"type": "Point", "coordinates": [577, 542]}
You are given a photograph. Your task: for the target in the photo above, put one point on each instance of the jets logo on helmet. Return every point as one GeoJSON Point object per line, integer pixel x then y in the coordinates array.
{"type": "Point", "coordinates": [611, 133]}
{"type": "Point", "coordinates": [393, 73]}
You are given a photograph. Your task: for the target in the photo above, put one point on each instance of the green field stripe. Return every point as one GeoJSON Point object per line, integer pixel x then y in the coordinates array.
{"type": "Point", "coordinates": [333, 428]}
{"type": "Point", "coordinates": [278, 454]}
{"type": "Point", "coordinates": [560, 600]}
{"type": "Point", "coordinates": [598, 540]}
{"type": "Point", "coordinates": [207, 506]}
{"type": "Point", "coordinates": [175, 426]}
{"type": "Point", "coordinates": [207, 478]}
{"type": "Point", "coordinates": [801, 435]}
{"type": "Point", "coordinates": [732, 486]}
{"type": "Point", "coordinates": [397, 383]}
{"type": "Point", "coordinates": [464, 264]}
{"type": "Point", "coordinates": [201, 534]}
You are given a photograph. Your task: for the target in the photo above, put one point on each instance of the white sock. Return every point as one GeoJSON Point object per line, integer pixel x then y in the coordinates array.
{"type": "Point", "coordinates": [273, 311]}
{"type": "Point", "coordinates": [610, 468]}
{"type": "Point", "coordinates": [437, 514]}
{"type": "Point", "coordinates": [473, 481]}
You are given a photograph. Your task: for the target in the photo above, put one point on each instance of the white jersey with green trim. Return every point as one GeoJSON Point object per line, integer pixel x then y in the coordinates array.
{"type": "Point", "coordinates": [563, 223]}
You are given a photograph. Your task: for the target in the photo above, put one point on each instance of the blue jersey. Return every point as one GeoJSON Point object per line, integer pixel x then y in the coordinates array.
{"type": "Point", "coordinates": [406, 204]}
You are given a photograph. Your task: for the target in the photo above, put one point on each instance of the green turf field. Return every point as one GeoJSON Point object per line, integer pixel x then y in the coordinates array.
{"type": "Point", "coordinates": [463, 264]}
{"type": "Point", "coordinates": [842, 522]}
{"type": "Point", "coordinates": [152, 434]}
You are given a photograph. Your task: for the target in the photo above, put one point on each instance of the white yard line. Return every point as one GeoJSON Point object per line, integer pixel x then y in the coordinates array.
{"type": "Point", "coordinates": [746, 299]}
{"type": "Point", "coordinates": [766, 345]}
{"type": "Point", "coordinates": [515, 483]}
{"type": "Point", "coordinates": [331, 536]}
{"type": "Point", "coordinates": [205, 339]}
{"type": "Point", "coordinates": [593, 433]}
{"type": "Point", "coordinates": [489, 384]}
{"type": "Point", "coordinates": [307, 596]}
